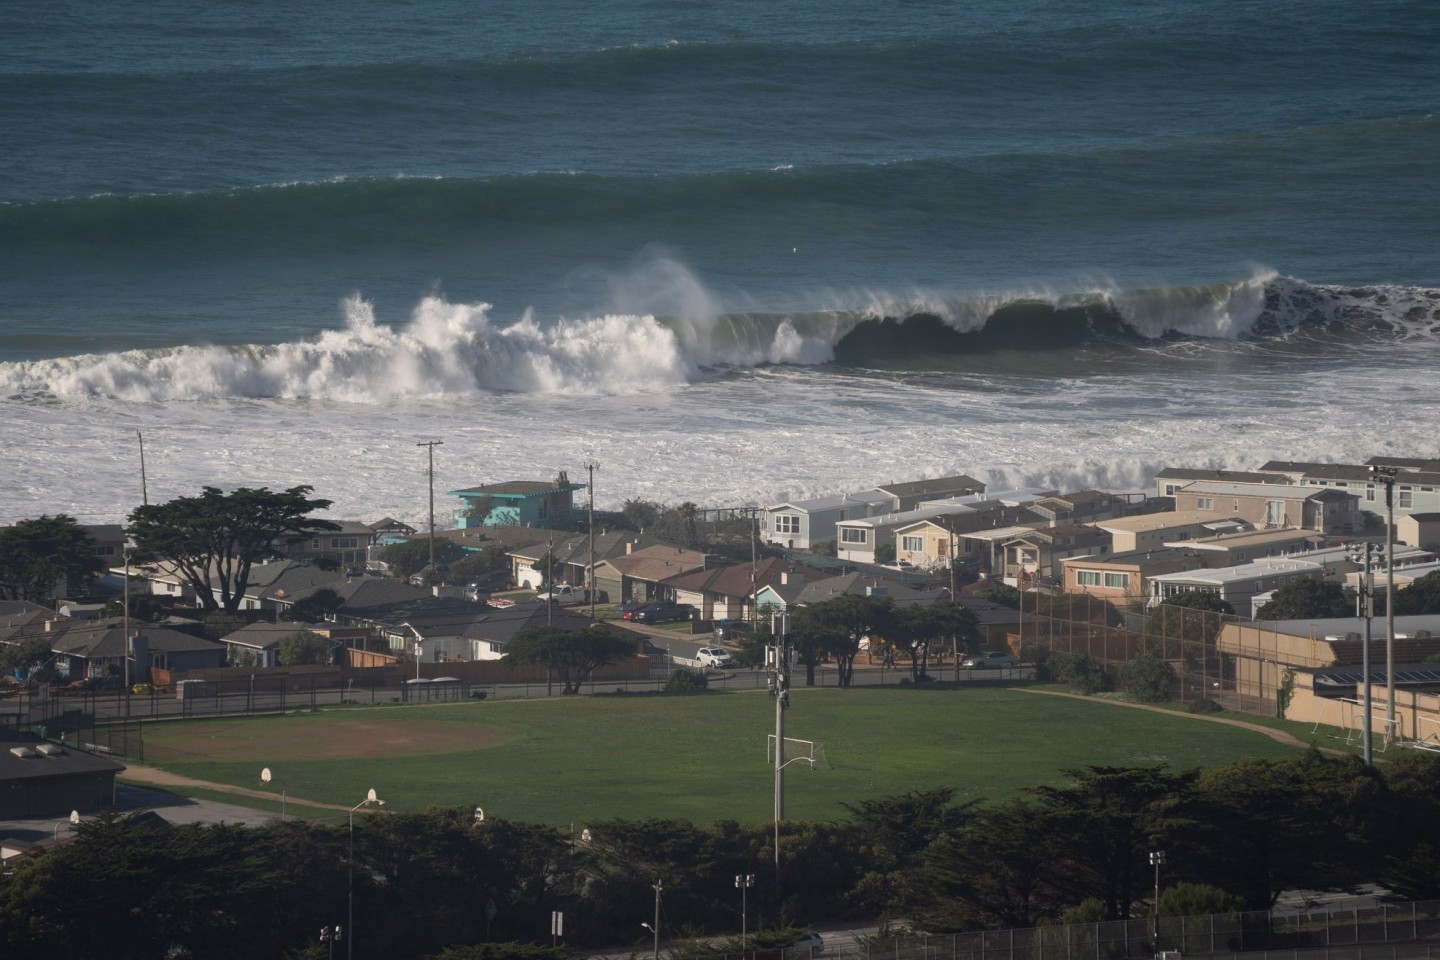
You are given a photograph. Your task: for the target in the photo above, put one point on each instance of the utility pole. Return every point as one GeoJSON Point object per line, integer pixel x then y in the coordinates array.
{"type": "Point", "coordinates": [658, 887]}
{"type": "Point", "coordinates": [590, 468]}
{"type": "Point", "coordinates": [754, 550]}
{"type": "Point", "coordinates": [1387, 476]}
{"type": "Point", "coordinates": [432, 444]}
{"type": "Point", "coordinates": [144, 494]}
{"type": "Point", "coordinates": [780, 690]}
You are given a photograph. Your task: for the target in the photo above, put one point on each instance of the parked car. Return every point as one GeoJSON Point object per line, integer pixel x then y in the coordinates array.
{"type": "Point", "coordinates": [812, 941]}
{"type": "Point", "coordinates": [727, 629]}
{"type": "Point", "coordinates": [714, 657]}
{"type": "Point", "coordinates": [628, 608]}
{"type": "Point", "coordinates": [662, 611]}
{"type": "Point", "coordinates": [989, 659]}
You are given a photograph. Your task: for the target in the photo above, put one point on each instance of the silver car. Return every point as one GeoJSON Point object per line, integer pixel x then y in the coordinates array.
{"type": "Point", "coordinates": [989, 659]}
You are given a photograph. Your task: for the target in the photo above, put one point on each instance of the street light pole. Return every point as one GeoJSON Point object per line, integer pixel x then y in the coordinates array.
{"type": "Point", "coordinates": [1387, 476]}
{"type": "Point", "coordinates": [781, 691]}
{"type": "Point", "coordinates": [590, 468]}
{"type": "Point", "coordinates": [1157, 859]}
{"type": "Point", "coordinates": [1366, 602]}
{"type": "Point", "coordinates": [432, 444]}
{"type": "Point", "coordinates": [744, 881]}
{"type": "Point", "coordinates": [350, 897]}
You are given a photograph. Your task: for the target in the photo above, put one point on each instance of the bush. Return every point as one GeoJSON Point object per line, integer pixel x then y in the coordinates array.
{"type": "Point", "coordinates": [1205, 705]}
{"type": "Point", "coordinates": [1081, 671]}
{"type": "Point", "coordinates": [685, 680]}
{"type": "Point", "coordinates": [1147, 678]}
{"type": "Point", "coordinates": [1039, 655]}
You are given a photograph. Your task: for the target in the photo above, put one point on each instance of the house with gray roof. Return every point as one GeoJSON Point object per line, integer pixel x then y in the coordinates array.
{"type": "Point", "coordinates": [95, 649]}
{"type": "Point", "coordinates": [800, 524]}
{"type": "Point", "coordinates": [1417, 483]}
{"type": "Point", "coordinates": [909, 495]}
{"type": "Point", "coordinates": [533, 503]}
{"type": "Point", "coordinates": [1270, 505]}
{"type": "Point", "coordinates": [1171, 479]}
{"type": "Point", "coordinates": [570, 558]}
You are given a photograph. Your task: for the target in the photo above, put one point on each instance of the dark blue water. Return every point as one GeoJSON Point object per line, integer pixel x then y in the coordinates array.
{"type": "Point", "coordinates": [186, 172]}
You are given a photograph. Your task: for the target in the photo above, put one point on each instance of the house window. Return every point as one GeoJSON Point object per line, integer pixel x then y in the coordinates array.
{"type": "Point", "coordinates": [1204, 503]}
{"type": "Point", "coordinates": [1235, 505]}
{"type": "Point", "coordinates": [854, 535]}
{"type": "Point", "coordinates": [344, 543]}
{"type": "Point", "coordinates": [1170, 489]}
{"type": "Point", "coordinates": [912, 544]}
{"type": "Point", "coordinates": [1370, 492]}
{"type": "Point", "coordinates": [1405, 500]}
{"type": "Point", "coordinates": [315, 544]}
{"type": "Point", "coordinates": [787, 523]}
{"type": "Point", "coordinates": [1087, 578]}
{"type": "Point", "coordinates": [108, 550]}
{"type": "Point", "coordinates": [1120, 580]}
{"type": "Point", "coordinates": [1275, 512]}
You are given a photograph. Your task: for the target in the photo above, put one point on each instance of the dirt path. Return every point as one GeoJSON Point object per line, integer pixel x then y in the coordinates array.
{"type": "Point", "coordinates": [1279, 736]}
{"type": "Point", "coordinates": [163, 778]}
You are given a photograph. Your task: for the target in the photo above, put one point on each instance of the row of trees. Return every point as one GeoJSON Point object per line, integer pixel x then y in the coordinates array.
{"type": "Point", "coordinates": [1236, 836]}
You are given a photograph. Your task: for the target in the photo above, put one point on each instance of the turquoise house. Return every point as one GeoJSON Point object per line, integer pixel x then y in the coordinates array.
{"type": "Point", "coordinates": [518, 503]}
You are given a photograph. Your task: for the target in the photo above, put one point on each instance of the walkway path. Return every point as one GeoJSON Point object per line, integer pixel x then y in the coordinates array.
{"type": "Point", "coordinates": [164, 778]}
{"type": "Point", "coordinates": [1279, 736]}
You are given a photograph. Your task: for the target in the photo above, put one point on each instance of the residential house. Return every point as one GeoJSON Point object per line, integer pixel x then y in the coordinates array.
{"type": "Point", "coordinates": [1125, 576]}
{"type": "Point", "coordinates": [258, 644]}
{"type": "Point", "coordinates": [386, 531]}
{"type": "Point", "coordinates": [729, 592]}
{"type": "Point", "coordinates": [488, 636]}
{"type": "Point", "coordinates": [971, 538]}
{"type": "Point", "coordinates": [808, 593]}
{"type": "Point", "coordinates": [1268, 505]}
{"type": "Point", "coordinates": [533, 503]}
{"type": "Point", "coordinates": [1082, 507]}
{"type": "Point", "coordinates": [1233, 549]}
{"type": "Point", "coordinates": [801, 524]}
{"type": "Point", "coordinates": [1419, 530]}
{"type": "Point", "coordinates": [1237, 586]}
{"type": "Point", "coordinates": [908, 496]}
{"type": "Point", "coordinates": [1151, 530]}
{"type": "Point", "coordinates": [639, 573]}
{"type": "Point", "coordinates": [347, 547]}
{"type": "Point", "coordinates": [1171, 479]}
{"type": "Point", "coordinates": [996, 621]}
{"type": "Point", "coordinates": [856, 540]}
{"type": "Point", "coordinates": [1033, 557]}
{"type": "Point", "coordinates": [93, 649]}
{"type": "Point", "coordinates": [567, 559]}
{"type": "Point", "coordinates": [1417, 482]}
{"type": "Point", "coordinates": [109, 539]}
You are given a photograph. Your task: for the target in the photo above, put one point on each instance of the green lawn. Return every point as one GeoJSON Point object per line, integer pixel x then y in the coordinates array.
{"type": "Point", "coordinates": [576, 760]}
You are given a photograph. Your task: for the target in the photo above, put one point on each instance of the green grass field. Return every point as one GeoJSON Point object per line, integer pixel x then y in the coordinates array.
{"type": "Point", "coordinates": [577, 760]}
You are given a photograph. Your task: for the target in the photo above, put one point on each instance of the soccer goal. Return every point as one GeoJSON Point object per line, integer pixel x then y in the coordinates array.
{"type": "Point", "coordinates": [1343, 714]}
{"type": "Point", "coordinates": [1429, 730]}
{"type": "Point", "coordinates": [797, 751]}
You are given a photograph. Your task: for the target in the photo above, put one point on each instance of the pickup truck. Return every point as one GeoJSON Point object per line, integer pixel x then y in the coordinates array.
{"type": "Point", "coordinates": [564, 593]}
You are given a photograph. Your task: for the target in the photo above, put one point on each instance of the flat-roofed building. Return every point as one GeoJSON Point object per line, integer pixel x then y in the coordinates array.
{"type": "Point", "coordinates": [1232, 549]}
{"type": "Point", "coordinates": [1236, 585]}
{"type": "Point", "coordinates": [1152, 530]}
{"type": "Point", "coordinates": [1268, 505]}
{"type": "Point", "coordinates": [1171, 479]}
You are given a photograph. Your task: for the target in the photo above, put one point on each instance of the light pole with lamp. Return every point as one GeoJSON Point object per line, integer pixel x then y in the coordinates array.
{"type": "Point", "coordinates": [1365, 603]}
{"type": "Point", "coordinates": [1387, 476]}
{"type": "Point", "coordinates": [330, 935]}
{"type": "Point", "coordinates": [744, 881]}
{"type": "Point", "coordinates": [1157, 860]}
{"type": "Point", "coordinates": [73, 820]}
{"type": "Point", "coordinates": [658, 886]}
{"type": "Point", "coordinates": [350, 896]}
{"type": "Point", "coordinates": [266, 777]}
{"type": "Point", "coordinates": [431, 445]}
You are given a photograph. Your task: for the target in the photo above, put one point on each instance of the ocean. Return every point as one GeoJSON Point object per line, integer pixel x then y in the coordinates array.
{"type": "Point", "coordinates": [731, 251]}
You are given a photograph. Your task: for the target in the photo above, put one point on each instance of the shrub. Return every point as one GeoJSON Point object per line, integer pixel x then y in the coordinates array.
{"type": "Point", "coordinates": [1205, 705]}
{"type": "Point", "coordinates": [1081, 671]}
{"type": "Point", "coordinates": [1147, 678]}
{"type": "Point", "coordinates": [685, 680]}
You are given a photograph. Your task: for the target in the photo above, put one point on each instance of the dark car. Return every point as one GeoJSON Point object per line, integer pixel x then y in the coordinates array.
{"type": "Point", "coordinates": [628, 608]}
{"type": "Point", "coordinates": [727, 629]}
{"type": "Point", "coordinates": [662, 611]}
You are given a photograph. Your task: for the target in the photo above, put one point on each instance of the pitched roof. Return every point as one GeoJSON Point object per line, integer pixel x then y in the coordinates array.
{"type": "Point", "coordinates": [105, 639]}
{"type": "Point", "coordinates": [818, 591]}
{"type": "Point", "coordinates": [658, 562]}
{"type": "Point", "coordinates": [1237, 476]}
{"type": "Point", "coordinates": [516, 488]}
{"type": "Point", "coordinates": [575, 548]}
{"type": "Point", "coordinates": [734, 580]}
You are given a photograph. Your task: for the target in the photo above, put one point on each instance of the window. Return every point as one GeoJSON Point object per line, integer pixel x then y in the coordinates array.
{"type": "Point", "coordinates": [344, 543]}
{"type": "Point", "coordinates": [1087, 578]}
{"type": "Point", "coordinates": [315, 544]}
{"type": "Point", "coordinates": [787, 523]}
{"type": "Point", "coordinates": [1204, 503]}
{"type": "Point", "coordinates": [1370, 492]}
{"type": "Point", "coordinates": [1405, 502]}
{"type": "Point", "coordinates": [912, 544]}
{"type": "Point", "coordinates": [1121, 580]}
{"type": "Point", "coordinates": [1170, 489]}
{"type": "Point", "coordinates": [854, 535]}
{"type": "Point", "coordinates": [1275, 512]}
{"type": "Point", "coordinates": [107, 550]}
{"type": "Point", "coordinates": [1235, 505]}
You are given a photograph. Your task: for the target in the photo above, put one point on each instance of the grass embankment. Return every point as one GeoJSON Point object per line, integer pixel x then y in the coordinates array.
{"type": "Point", "coordinates": [575, 760]}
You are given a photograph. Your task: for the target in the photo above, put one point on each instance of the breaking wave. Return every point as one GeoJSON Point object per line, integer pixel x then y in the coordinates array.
{"type": "Point", "coordinates": [460, 349]}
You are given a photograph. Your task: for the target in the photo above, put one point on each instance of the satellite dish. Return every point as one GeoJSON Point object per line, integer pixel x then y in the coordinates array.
{"type": "Point", "coordinates": [585, 835]}
{"type": "Point", "coordinates": [265, 775]}
{"type": "Point", "coordinates": [370, 797]}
